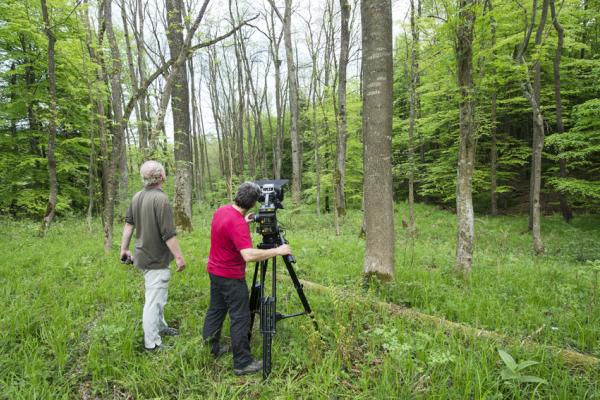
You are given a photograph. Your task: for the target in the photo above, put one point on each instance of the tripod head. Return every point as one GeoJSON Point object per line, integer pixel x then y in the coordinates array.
{"type": "Point", "coordinates": [271, 200]}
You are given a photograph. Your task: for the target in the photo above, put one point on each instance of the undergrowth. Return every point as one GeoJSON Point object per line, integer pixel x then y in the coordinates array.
{"type": "Point", "coordinates": [71, 320]}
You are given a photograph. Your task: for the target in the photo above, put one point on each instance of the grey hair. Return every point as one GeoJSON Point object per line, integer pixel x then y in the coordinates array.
{"type": "Point", "coordinates": [152, 172]}
{"type": "Point", "coordinates": [247, 195]}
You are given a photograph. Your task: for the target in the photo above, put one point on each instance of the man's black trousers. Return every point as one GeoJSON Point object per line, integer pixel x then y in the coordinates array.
{"type": "Point", "coordinates": [227, 294]}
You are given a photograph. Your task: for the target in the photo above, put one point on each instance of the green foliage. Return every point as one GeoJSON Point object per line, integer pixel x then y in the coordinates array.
{"type": "Point", "coordinates": [512, 372]}
{"type": "Point", "coordinates": [495, 71]}
{"type": "Point", "coordinates": [81, 336]}
{"type": "Point", "coordinates": [580, 148]}
{"type": "Point", "coordinates": [24, 109]}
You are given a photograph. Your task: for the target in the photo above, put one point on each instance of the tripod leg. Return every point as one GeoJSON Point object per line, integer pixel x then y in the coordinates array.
{"type": "Point", "coordinates": [254, 299]}
{"type": "Point", "coordinates": [300, 291]}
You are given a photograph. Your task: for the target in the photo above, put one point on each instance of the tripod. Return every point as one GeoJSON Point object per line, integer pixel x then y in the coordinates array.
{"type": "Point", "coordinates": [265, 306]}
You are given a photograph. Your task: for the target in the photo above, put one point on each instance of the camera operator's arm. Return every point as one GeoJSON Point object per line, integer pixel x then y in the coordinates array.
{"type": "Point", "coordinates": [127, 233]}
{"type": "Point", "coordinates": [252, 254]}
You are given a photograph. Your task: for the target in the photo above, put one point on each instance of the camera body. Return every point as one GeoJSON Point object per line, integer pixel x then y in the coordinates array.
{"type": "Point", "coordinates": [270, 199]}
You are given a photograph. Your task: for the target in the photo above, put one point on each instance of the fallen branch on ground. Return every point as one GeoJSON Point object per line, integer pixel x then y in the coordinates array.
{"type": "Point", "coordinates": [570, 357]}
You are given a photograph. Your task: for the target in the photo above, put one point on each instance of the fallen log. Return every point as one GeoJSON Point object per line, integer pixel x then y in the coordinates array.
{"type": "Point", "coordinates": [570, 357]}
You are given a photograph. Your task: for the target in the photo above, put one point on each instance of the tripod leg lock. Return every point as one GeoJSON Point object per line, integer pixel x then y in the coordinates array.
{"type": "Point", "coordinates": [268, 316]}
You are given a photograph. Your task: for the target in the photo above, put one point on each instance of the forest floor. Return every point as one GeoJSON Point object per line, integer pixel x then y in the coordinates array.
{"type": "Point", "coordinates": [71, 322]}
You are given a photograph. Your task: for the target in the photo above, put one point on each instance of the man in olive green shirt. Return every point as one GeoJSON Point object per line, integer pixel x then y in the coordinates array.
{"type": "Point", "coordinates": [150, 215]}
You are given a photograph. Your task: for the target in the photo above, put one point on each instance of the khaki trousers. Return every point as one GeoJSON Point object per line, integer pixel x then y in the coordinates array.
{"type": "Point", "coordinates": [153, 320]}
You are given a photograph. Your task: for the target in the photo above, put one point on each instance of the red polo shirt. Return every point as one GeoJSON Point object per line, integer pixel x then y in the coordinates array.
{"type": "Point", "coordinates": [229, 234]}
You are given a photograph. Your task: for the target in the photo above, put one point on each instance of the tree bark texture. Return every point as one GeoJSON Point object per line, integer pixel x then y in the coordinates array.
{"type": "Point", "coordinates": [52, 124]}
{"type": "Point", "coordinates": [564, 204]}
{"type": "Point", "coordinates": [117, 127]}
{"type": "Point", "coordinates": [293, 98]}
{"type": "Point", "coordinates": [377, 130]}
{"type": "Point", "coordinates": [340, 166]}
{"type": "Point", "coordinates": [412, 114]}
{"type": "Point", "coordinates": [493, 119]}
{"type": "Point", "coordinates": [180, 106]}
{"type": "Point", "coordinates": [466, 146]}
{"type": "Point", "coordinates": [538, 139]}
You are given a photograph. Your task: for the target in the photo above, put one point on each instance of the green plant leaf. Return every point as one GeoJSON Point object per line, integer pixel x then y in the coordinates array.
{"type": "Point", "coordinates": [522, 365]}
{"type": "Point", "coordinates": [508, 360]}
{"type": "Point", "coordinates": [531, 379]}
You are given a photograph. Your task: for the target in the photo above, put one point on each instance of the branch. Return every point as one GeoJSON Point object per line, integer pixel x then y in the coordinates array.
{"type": "Point", "coordinates": [143, 89]}
{"type": "Point", "coordinates": [276, 10]}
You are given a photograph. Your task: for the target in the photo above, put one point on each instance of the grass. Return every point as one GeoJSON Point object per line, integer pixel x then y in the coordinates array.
{"type": "Point", "coordinates": [71, 320]}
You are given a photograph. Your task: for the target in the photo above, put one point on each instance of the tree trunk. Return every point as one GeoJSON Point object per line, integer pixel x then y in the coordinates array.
{"type": "Point", "coordinates": [564, 204]}
{"type": "Point", "coordinates": [239, 165]}
{"type": "Point", "coordinates": [340, 167]}
{"type": "Point", "coordinates": [177, 84]}
{"type": "Point", "coordinates": [538, 139]}
{"type": "Point", "coordinates": [377, 129]}
{"type": "Point", "coordinates": [293, 99]}
{"type": "Point", "coordinates": [143, 129]}
{"type": "Point", "coordinates": [52, 125]}
{"type": "Point", "coordinates": [466, 147]}
{"type": "Point", "coordinates": [116, 128]}
{"type": "Point", "coordinates": [412, 114]}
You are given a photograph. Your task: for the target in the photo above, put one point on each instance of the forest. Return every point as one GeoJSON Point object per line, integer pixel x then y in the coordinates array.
{"type": "Point", "coordinates": [443, 204]}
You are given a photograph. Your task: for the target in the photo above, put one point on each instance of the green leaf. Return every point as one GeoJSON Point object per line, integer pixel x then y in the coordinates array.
{"type": "Point", "coordinates": [522, 365]}
{"type": "Point", "coordinates": [531, 379]}
{"type": "Point", "coordinates": [508, 360]}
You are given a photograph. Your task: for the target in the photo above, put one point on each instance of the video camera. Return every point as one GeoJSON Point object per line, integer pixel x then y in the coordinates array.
{"type": "Point", "coordinates": [271, 198]}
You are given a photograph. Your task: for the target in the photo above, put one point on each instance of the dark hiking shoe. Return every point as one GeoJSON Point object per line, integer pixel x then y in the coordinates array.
{"type": "Point", "coordinates": [251, 368]}
{"type": "Point", "coordinates": [224, 349]}
{"type": "Point", "coordinates": [168, 331]}
{"type": "Point", "coordinates": [154, 349]}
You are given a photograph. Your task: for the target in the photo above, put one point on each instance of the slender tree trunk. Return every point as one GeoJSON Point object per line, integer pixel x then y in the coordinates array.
{"type": "Point", "coordinates": [198, 154]}
{"type": "Point", "coordinates": [214, 103]}
{"type": "Point", "coordinates": [116, 127]}
{"type": "Point", "coordinates": [143, 127]}
{"type": "Point", "coordinates": [293, 100]}
{"type": "Point", "coordinates": [466, 152]}
{"type": "Point", "coordinates": [52, 125]}
{"type": "Point", "coordinates": [538, 139]}
{"type": "Point", "coordinates": [564, 204]}
{"type": "Point", "coordinates": [340, 166]}
{"type": "Point", "coordinates": [377, 129]}
{"type": "Point", "coordinates": [204, 141]}
{"type": "Point", "coordinates": [412, 114]}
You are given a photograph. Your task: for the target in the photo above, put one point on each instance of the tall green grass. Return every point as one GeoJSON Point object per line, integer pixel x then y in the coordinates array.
{"type": "Point", "coordinates": [71, 320]}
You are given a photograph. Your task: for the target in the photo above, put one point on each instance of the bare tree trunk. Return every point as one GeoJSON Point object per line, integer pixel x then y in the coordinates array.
{"type": "Point", "coordinates": [538, 139]}
{"type": "Point", "coordinates": [293, 100]}
{"type": "Point", "coordinates": [340, 166]}
{"type": "Point", "coordinates": [214, 102]}
{"type": "Point", "coordinates": [116, 127]}
{"type": "Point", "coordinates": [204, 142]}
{"type": "Point", "coordinates": [377, 129]}
{"type": "Point", "coordinates": [466, 147]}
{"type": "Point", "coordinates": [52, 125]}
{"type": "Point", "coordinates": [412, 115]}
{"type": "Point", "coordinates": [493, 129]}
{"type": "Point", "coordinates": [564, 204]}
{"type": "Point", "coordinates": [177, 85]}
{"type": "Point", "coordinates": [197, 153]}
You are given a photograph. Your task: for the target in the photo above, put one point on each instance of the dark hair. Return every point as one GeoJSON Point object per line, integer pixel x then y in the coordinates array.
{"type": "Point", "coordinates": [247, 195]}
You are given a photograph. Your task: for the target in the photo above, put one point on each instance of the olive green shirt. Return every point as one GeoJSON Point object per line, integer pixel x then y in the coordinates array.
{"type": "Point", "coordinates": [152, 217]}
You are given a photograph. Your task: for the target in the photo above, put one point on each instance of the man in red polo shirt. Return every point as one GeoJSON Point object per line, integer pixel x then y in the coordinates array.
{"type": "Point", "coordinates": [230, 250]}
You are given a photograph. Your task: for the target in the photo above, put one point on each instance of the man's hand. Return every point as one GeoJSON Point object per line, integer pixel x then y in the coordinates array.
{"type": "Point", "coordinates": [284, 250]}
{"type": "Point", "coordinates": [126, 257]}
{"type": "Point", "coordinates": [249, 217]}
{"type": "Point", "coordinates": [180, 263]}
